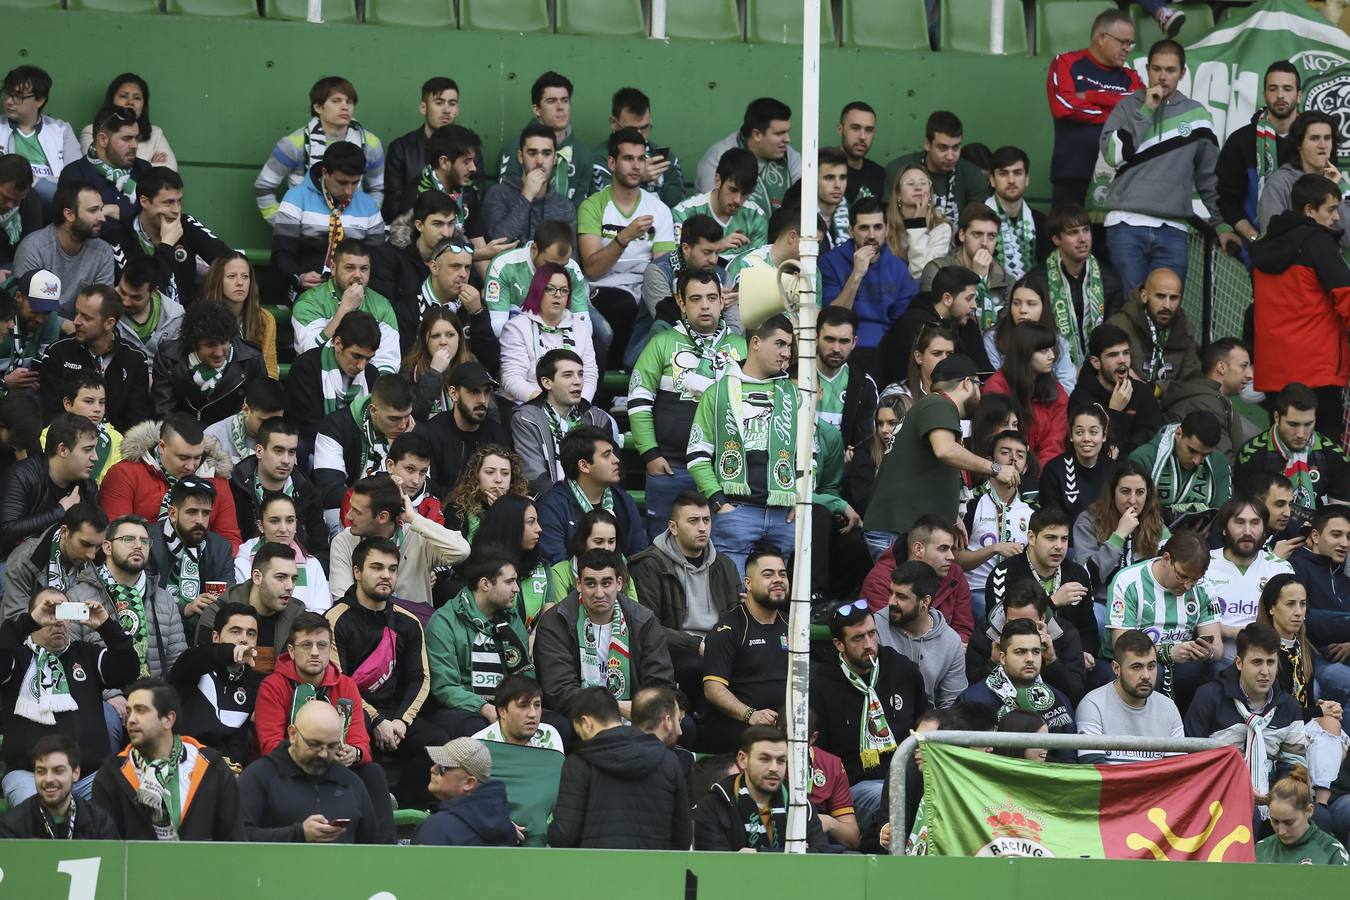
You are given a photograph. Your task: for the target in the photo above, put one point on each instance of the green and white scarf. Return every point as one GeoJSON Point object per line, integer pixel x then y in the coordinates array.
{"type": "Point", "coordinates": [120, 178]}
{"type": "Point", "coordinates": [533, 594]}
{"type": "Point", "coordinates": [559, 427]}
{"type": "Point", "coordinates": [374, 446]}
{"type": "Point", "coordinates": [23, 347]}
{"type": "Point", "coordinates": [151, 459]}
{"type": "Point", "coordinates": [874, 732]}
{"type": "Point", "coordinates": [712, 362]}
{"type": "Point", "coordinates": [243, 445]}
{"type": "Point", "coordinates": [44, 691]}
{"type": "Point", "coordinates": [426, 299]}
{"type": "Point", "coordinates": [429, 182]}
{"type": "Point", "coordinates": [206, 376]}
{"type": "Point", "coordinates": [1267, 150]}
{"type": "Point", "coordinates": [102, 447]}
{"type": "Point", "coordinates": [988, 309]}
{"type": "Point", "coordinates": [187, 572]}
{"type": "Point", "coordinates": [12, 225]}
{"type": "Point", "coordinates": [563, 331]}
{"type": "Point", "coordinates": [1296, 467]}
{"type": "Point", "coordinates": [1061, 304]}
{"type": "Point", "coordinates": [159, 790]}
{"type": "Point", "coordinates": [764, 826]}
{"type": "Point", "coordinates": [1157, 366]}
{"type": "Point", "coordinates": [129, 604]}
{"type": "Point", "coordinates": [1196, 493]}
{"type": "Point", "coordinates": [1037, 698]}
{"type": "Point", "coordinates": [259, 491]}
{"type": "Point", "coordinates": [1016, 250]}
{"type": "Point", "coordinates": [148, 246]}
{"type": "Point", "coordinates": [729, 444]}
{"type": "Point", "coordinates": [56, 570]}
{"type": "Point", "coordinates": [338, 390]}
{"type": "Point", "coordinates": [303, 694]}
{"type": "Point", "coordinates": [615, 674]}
{"type": "Point", "coordinates": [606, 499]}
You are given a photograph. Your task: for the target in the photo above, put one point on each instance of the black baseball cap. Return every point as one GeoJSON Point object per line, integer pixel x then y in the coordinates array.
{"type": "Point", "coordinates": [956, 367]}
{"type": "Point", "coordinates": [471, 375]}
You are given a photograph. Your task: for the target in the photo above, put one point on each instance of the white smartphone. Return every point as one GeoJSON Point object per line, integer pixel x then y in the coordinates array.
{"type": "Point", "coordinates": [72, 611]}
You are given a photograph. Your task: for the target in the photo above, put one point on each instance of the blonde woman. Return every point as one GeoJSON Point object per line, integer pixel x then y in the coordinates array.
{"type": "Point", "coordinates": [916, 230]}
{"type": "Point", "coordinates": [231, 280]}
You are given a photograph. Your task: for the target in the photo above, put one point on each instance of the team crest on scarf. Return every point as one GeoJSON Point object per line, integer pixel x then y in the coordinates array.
{"type": "Point", "coordinates": [782, 469]}
{"type": "Point", "coordinates": [615, 683]}
{"type": "Point", "coordinates": [512, 656]}
{"type": "Point", "coordinates": [130, 620]}
{"type": "Point", "coordinates": [729, 463]}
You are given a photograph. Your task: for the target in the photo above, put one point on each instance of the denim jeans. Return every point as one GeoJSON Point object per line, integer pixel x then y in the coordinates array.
{"type": "Point", "coordinates": [642, 329]}
{"type": "Point", "coordinates": [734, 533]}
{"type": "Point", "coordinates": [1333, 680]}
{"type": "Point", "coordinates": [878, 542]}
{"type": "Point", "coordinates": [19, 786]}
{"type": "Point", "coordinates": [661, 493]}
{"type": "Point", "coordinates": [1138, 250]}
{"type": "Point", "coordinates": [867, 803]}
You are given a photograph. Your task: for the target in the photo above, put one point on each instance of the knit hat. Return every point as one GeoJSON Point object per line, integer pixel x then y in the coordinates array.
{"type": "Point", "coordinates": [469, 754]}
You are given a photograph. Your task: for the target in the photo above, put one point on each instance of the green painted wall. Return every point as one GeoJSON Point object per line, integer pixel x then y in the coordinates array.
{"type": "Point", "coordinates": [224, 90]}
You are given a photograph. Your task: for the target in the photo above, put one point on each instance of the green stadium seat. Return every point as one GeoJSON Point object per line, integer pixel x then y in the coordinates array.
{"type": "Point", "coordinates": [409, 818]}
{"type": "Point", "coordinates": [334, 11]}
{"type": "Point", "coordinates": [607, 18]}
{"type": "Point", "coordinates": [114, 6]}
{"type": "Point", "coordinates": [703, 20]}
{"type": "Point", "coordinates": [1063, 25]}
{"type": "Point", "coordinates": [234, 9]}
{"type": "Point", "coordinates": [779, 22]}
{"type": "Point", "coordinates": [615, 382]}
{"type": "Point", "coordinates": [416, 13]}
{"type": "Point", "coordinates": [504, 15]}
{"type": "Point", "coordinates": [885, 24]}
{"type": "Point", "coordinates": [282, 314]}
{"type": "Point", "coordinates": [1199, 22]}
{"type": "Point", "coordinates": [965, 26]}
{"type": "Point", "coordinates": [30, 4]}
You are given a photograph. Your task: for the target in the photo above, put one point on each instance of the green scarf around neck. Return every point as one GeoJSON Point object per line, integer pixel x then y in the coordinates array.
{"type": "Point", "coordinates": [615, 672]}
{"type": "Point", "coordinates": [1061, 304]}
{"type": "Point", "coordinates": [720, 427]}
{"type": "Point", "coordinates": [1038, 697]}
{"type": "Point", "coordinates": [874, 732]}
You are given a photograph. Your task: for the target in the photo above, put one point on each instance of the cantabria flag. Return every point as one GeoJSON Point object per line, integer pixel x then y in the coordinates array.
{"type": "Point", "coordinates": [1197, 806]}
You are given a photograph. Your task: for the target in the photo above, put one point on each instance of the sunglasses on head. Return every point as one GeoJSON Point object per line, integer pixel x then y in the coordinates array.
{"type": "Point", "coordinates": [848, 609]}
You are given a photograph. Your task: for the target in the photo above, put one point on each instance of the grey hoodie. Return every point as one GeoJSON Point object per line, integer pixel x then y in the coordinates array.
{"type": "Point", "coordinates": [166, 329]}
{"type": "Point", "coordinates": [938, 654]}
{"type": "Point", "coordinates": [700, 614]}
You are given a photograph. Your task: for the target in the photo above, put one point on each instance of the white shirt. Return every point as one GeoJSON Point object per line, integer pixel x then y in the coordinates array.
{"type": "Point", "coordinates": [546, 738]}
{"type": "Point", "coordinates": [1237, 594]}
{"type": "Point", "coordinates": [984, 532]}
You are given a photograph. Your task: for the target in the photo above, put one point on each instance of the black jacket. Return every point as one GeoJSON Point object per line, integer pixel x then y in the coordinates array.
{"type": "Point", "coordinates": [1328, 464]}
{"type": "Point", "coordinates": [175, 391]}
{"type": "Point", "coordinates": [897, 347]}
{"type": "Point", "coordinates": [398, 273]}
{"type": "Point", "coordinates": [1328, 588]}
{"type": "Point", "coordinates": [1236, 173]}
{"type": "Point", "coordinates": [92, 823]}
{"type": "Point", "coordinates": [839, 709]}
{"type": "Point", "coordinates": [311, 530]}
{"type": "Point", "coordinates": [216, 562]}
{"type": "Point", "coordinates": [90, 669]}
{"type": "Point", "coordinates": [304, 392]}
{"type": "Point", "coordinates": [1212, 709]}
{"type": "Point", "coordinates": [478, 819]}
{"type": "Point", "coordinates": [357, 632]}
{"type": "Point", "coordinates": [217, 704]}
{"type": "Point", "coordinates": [1017, 568]}
{"type": "Point", "coordinates": [860, 408]}
{"type": "Point", "coordinates": [210, 808]}
{"type": "Point", "coordinates": [1111, 285]}
{"type": "Point", "coordinates": [453, 446]}
{"type": "Point", "coordinates": [1136, 424]}
{"type": "Point", "coordinates": [30, 502]}
{"type": "Point", "coordinates": [403, 163]}
{"type": "Point", "coordinates": [197, 242]}
{"type": "Point", "coordinates": [82, 171]}
{"type": "Point", "coordinates": [718, 824]}
{"type": "Point", "coordinates": [127, 378]}
{"type": "Point", "coordinates": [276, 796]}
{"type": "Point", "coordinates": [1073, 491]}
{"type": "Point", "coordinates": [621, 790]}
{"type": "Point", "coordinates": [1067, 672]}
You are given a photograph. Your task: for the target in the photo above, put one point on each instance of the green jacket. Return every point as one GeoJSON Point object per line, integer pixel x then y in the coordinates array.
{"type": "Point", "coordinates": [1315, 848]}
{"type": "Point", "coordinates": [663, 397]}
{"type": "Point", "coordinates": [450, 651]}
{"type": "Point", "coordinates": [829, 468]}
{"type": "Point", "coordinates": [1221, 477]}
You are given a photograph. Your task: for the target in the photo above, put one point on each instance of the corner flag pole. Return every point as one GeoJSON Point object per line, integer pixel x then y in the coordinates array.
{"type": "Point", "coordinates": [799, 619]}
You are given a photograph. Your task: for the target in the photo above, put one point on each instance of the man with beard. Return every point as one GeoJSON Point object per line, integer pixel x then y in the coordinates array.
{"type": "Point", "coordinates": [353, 443]}
{"type": "Point", "coordinates": [745, 661]}
{"type": "Point", "coordinates": [300, 793]}
{"type": "Point", "coordinates": [743, 221]}
{"type": "Point", "coordinates": [1293, 446]}
{"type": "Point", "coordinates": [1108, 381]}
{"type": "Point", "coordinates": [112, 168]}
{"type": "Point", "coordinates": [915, 630]}
{"type": "Point", "coordinates": [1016, 682]}
{"type": "Point", "coordinates": [456, 433]}
{"type": "Point", "coordinates": [976, 241]}
{"type": "Point", "coordinates": [1046, 561]}
{"type": "Point", "coordinates": [933, 541]}
{"type": "Point", "coordinates": [270, 593]}
{"type": "Point", "coordinates": [1240, 569]}
{"type": "Point", "coordinates": [186, 554]}
{"type": "Point", "coordinates": [922, 471]}
{"type": "Point", "coordinates": [866, 702]}
{"type": "Point", "coordinates": [1189, 471]}
{"type": "Point", "coordinates": [70, 247]}
{"type": "Point", "coordinates": [847, 396]}
{"type": "Point", "coordinates": [862, 274]}
{"type": "Point", "coordinates": [1250, 155]}
{"type": "Point", "coordinates": [747, 812]}
{"type": "Point", "coordinates": [1062, 656]}
{"type": "Point", "coordinates": [1161, 343]}
{"type": "Point", "coordinates": [52, 811]}
{"type": "Point", "coordinates": [319, 310]}
{"type": "Point", "coordinates": [857, 130]}
{"type": "Point", "coordinates": [956, 182]}
{"type": "Point", "coordinates": [1128, 705]}
{"type": "Point", "coordinates": [952, 301]}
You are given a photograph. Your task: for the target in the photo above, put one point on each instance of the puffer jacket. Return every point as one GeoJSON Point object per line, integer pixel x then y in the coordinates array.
{"type": "Point", "coordinates": [175, 391]}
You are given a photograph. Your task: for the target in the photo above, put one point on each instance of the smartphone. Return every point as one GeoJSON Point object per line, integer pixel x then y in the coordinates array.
{"type": "Point", "coordinates": [663, 152]}
{"type": "Point", "coordinates": [1207, 638]}
{"type": "Point", "coordinates": [214, 587]}
{"type": "Point", "coordinates": [72, 611]}
{"type": "Point", "coordinates": [340, 823]}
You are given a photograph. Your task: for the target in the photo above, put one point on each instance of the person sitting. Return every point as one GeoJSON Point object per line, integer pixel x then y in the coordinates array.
{"type": "Point", "coordinates": [1283, 605]}
{"type": "Point", "coordinates": [513, 524]}
{"type": "Point", "coordinates": [1028, 378]}
{"type": "Point", "coordinates": [322, 307]}
{"type": "Point", "coordinates": [219, 685]}
{"type": "Point", "coordinates": [85, 395]}
{"type": "Point", "coordinates": [353, 443]}
{"type": "Point", "coordinates": [1108, 380]}
{"type": "Point", "coordinates": [1029, 302]}
{"type": "Point", "coordinates": [1083, 290]}
{"type": "Point", "coordinates": [277, 523]}
{"type": "Point", "coordinates": [515, 207]}
{"type": "Point", "coordinates": [53, 811]}
{"type": "Point", "coordinates": [139, 786]}
{"type": "Point", "coordinates": [1320, 566]}
{"type": "Point", "coordinates": [68, 252]}
{"type": "Point", "coordinates": [1190, 472]}
{"type": "Point", "coordinates": [21, 211]}
{"type": "Point", "coordinates": [519, 704]}
{"type": "Point", "coordinates": [511, 273]}
{"type": "Point", "coordinates": [1297, 839]}
{"type": "Point", "coordinates": [237, 434]}
{"type": "Point", "coordinates": [492, 472]}
{"type": "Point", "coordinates": [190, 558]}
{"type": "Point", "coordinates": [38, 491]}
{"type": "Point", "coordinates": [1016, 682]}
{"type": "Point", "coordinates": [619, 788]}
{"type": "Point", "coordinates": [55, 558]}
{"type": "Point", "coordinates": [976, 242]}
{"type": "Point", "coordinates": [232, 281]}
{"type": "Point", "coordinates": [272, 468]}
{"type": "Point", "coordinates": [1161, 342]}
{"type": "Point", "coordinates": [1075, 478]}
{"type": "Point", "coordinates": [1293, 446]}
{"type": "Point", "coordinates": [1227, 365]}
{"type": "Point", "coordinates": [53, 685]}
{"type": "Point", "coordinates": [951, 303]}
{"type": "Point", "coordinates": [46, 144]}
{"type": "Point", "coordinates": [913, 629]}
{"type": "Point", "coordinates": [441, 344]}
{"type": "Point", "coordinates": [1063, 662]}
{"type": "Point", "coordinates": [545, 323]}
{"type": "Point", "coordinates": [205, 371]}
{"type": "Point", "coordinates": [163, 230]}
{"type": "Point", "coordinates": [605, 640]}
{"type": "Point", "coordinates": [451, 170]}
{"type": "Point", "coordinates": [465, 425]}
{"type": "Point", "coordinates": [593, 474]}
{"type": "Point", "coordinates": [111, 168]}
{"type": "Point", "coordinates": [299, 793]}
{"type": "Point", "coordinates": [1310, 149]}
{"type": "Point", "coordinates": [1129, 705]}
{"type": "Point", "coordinates": [539, 426]}
{"type": "Point", "coordinates": [747, 812]}
{"type": "Point", "coordinates": [326, 379]}
{"type": "Point", "coordinates": [916, 230]}
{"type": "Point", "coordinates": [996, 519]}
{"type": "Point", "coordinates": [36, 297]}
{"type": "Point", "coordinates": [471, 809]}
{"type": "Point", "coordinates": [860, 472]}
{"type": "Point", "coordinates": [933, 541]}
{"type": "Point", "coordinates": [1240, 569]}
{"type": "Point", "coordinates": [269, 591]}
{"type": "Point", "coordinates": [130, 91]}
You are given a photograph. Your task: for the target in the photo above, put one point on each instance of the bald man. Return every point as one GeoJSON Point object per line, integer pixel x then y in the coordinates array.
{"type": "Point", "coordinates": [299, 793]}
{"type": "Point", "coordinates": [1162, 346]}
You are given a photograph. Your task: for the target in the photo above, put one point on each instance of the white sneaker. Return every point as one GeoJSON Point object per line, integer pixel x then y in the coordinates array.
{"type": "Point", "coordinates": [1169, 20]}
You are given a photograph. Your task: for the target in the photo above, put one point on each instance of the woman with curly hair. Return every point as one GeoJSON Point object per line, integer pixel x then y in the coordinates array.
{"type": "Point", "coordinates": [231, 281]}
{"type": "Point", "coordinates": [491, 473]}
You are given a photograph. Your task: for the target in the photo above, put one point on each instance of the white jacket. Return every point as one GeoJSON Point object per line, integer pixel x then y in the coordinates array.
{"type": "Point", "coordinates": [523, 343]}
{"type": "Point", "coordinates": [57, 140]}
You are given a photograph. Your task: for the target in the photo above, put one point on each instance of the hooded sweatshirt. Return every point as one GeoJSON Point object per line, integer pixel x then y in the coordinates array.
{"type": "Point", "coordinates": [938, 654]}
{"type": "Point", "coordinates": [272, 713]}
{"type": "Point", "coordinates": [478, 819]}
{"type": "Point", "coordinates": [622, 790]}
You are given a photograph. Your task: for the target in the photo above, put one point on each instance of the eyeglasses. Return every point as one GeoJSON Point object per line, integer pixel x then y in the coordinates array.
{"type": "Point", "coordinates": [131, 540]}
{"type": "Point", "coordinates": [316, 746]}
{"type": "Point", "coordinates": [1127, 45]}
{"type": "Point", "coordinates": [312, 646]}
{"type": "Point", "coordinates": [1187, 581]}
{"type": "Point", "coordinates": [19, 98]}
{"type": "Point", "coordinates": [554, 291]}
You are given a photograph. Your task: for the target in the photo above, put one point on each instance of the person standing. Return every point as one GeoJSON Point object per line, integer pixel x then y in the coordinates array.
{"type": "Point", "coordinates": [1251, 154]}
{"type": "Point", "coordinates": [857, 130]}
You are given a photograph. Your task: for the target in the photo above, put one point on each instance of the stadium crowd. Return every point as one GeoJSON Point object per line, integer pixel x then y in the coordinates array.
{"type": "Point", "coordinates": [413, 573]}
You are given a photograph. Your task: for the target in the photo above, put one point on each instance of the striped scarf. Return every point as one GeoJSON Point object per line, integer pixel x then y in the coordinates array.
{"type": "Point", "coordinates": [335, 230]}
{"type": "Point", "coordinates": [765, 826]}
{"type": "Point", "coordinates": [874, 732]}
{"type": "Point", "coordinates": [615, 673]}
{"type": "Point", "coordinates": [159, 790]}
{"type": "Point", "coordinates": [239, 440]}
{"type": "Point", "coordinates": [186, 583]}
{"type": "Point", "coordinates": [338, 390]}
{"type": "Point", "coordinates": [129, 604]}
{"type": "Point", "coordinates": [206, 376]}
{"type": "Point", "coordinates": [1196, 493]}
{"type": "Point", "coordinates": [1296, 467]}
{"type": "Point", "coordinates": [1061, 304]}
{"type": "Point", "coordinates": [1016, 250]}
{"type": "Point", "coordinates": [148, 246]}
{"type": "Point", "coordinates": [45, 690]}
{"type": "Point", "coordinates": [152, 459]}
{"type": "Point", "coordinates": [119, 178]}
{"type": "Point", "coordinates": [12, 225]}
{"type": "Point", "coordinates": [1267, 150]}
{"type": "Point", "coordinates": [1037, 698]}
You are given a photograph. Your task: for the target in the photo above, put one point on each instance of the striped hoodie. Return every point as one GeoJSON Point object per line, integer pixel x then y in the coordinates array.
{"type": "Point", "coordinates": [296, 153]}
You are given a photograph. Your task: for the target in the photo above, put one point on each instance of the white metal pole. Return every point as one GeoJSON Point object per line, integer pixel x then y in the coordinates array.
{"type": "Point", "coordinates": [799, 618]}
{"type": "Point", "coordinates": [659, 19]}
{"type": "Point", "coordinates": [997, 16]}
{"type": "Point", "coordinates": [315, 12]}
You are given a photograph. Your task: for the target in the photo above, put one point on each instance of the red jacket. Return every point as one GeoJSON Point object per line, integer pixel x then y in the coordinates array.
{"type": "Point", "coordinates": [272, 712]}
{"type": "Point", "coordinates": [952, 600]}
{"type": "Point", "coordinates": [1049, 421]}
{"type": "Point", "coordinates": [133, 487]}
{"type": "Point", "coordinates": [1302, 305]}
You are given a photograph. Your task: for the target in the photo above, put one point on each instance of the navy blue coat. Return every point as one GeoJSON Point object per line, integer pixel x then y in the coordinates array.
{"type": "Point", "coordinates": [479, 819]}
